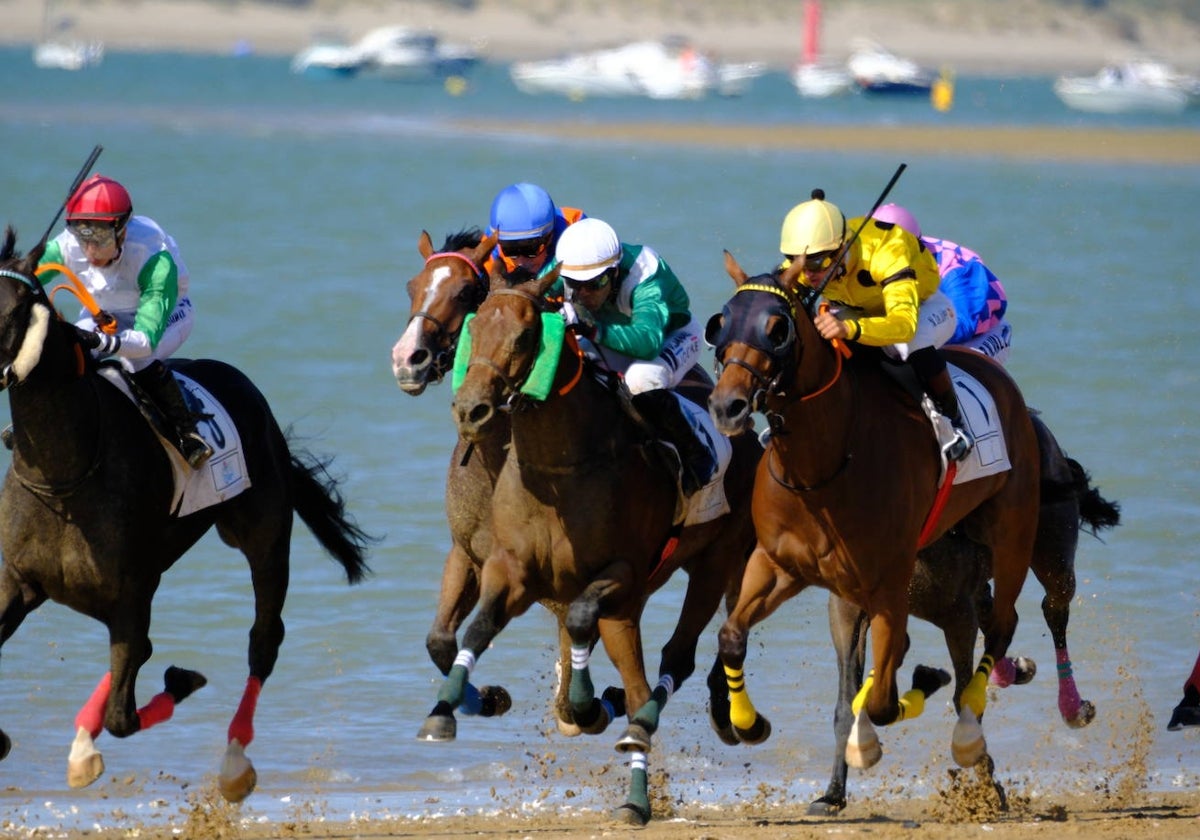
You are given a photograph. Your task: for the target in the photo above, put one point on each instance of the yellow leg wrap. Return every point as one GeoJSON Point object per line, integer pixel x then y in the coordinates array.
{"type": "Point", "coordinates": [974, 696]}
{"type": "Point", "coordinates": [742, 713]}
{"type": "Point", "coordinates": [861, 697]}
{"type": "Point", "coordinates": [911, 704]}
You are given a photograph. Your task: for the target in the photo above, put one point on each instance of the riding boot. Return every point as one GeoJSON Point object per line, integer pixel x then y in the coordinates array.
{"type": "Point", "coordinates": [661, 408]}
{"type": "Point", "coordinates": [160, 386]}
{"type": "Point", "coordinates": [930, 368]}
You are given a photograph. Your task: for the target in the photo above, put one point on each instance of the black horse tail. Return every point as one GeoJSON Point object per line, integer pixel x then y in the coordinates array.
{"type": "Point", "coordinates": [1096, 512]}
{"type": "Point", "coordinates": [320, 504]}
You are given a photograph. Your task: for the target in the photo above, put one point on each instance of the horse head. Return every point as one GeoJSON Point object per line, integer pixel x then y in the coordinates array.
{"type": "Point", "coordinates": [25, 311]}
{"type": "Point", "coordinates": [757, 337]}
{"type": "Point", "coordinates": [450, 285]}
{"type": "Point", "coordinates": [506, 335]}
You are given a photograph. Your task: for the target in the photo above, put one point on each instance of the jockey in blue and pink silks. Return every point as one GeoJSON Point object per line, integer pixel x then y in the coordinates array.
{"type": "Point", "coordinates": [979, 300]}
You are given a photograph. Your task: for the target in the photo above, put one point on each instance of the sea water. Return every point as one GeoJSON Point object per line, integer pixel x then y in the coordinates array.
{"type": "Point", "coordinates": [298, 205]}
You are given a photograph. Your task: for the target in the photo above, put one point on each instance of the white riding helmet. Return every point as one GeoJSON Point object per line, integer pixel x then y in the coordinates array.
{"type": "Point", "coordinates": [812, 227]}
{"type": "Point", "coordinates": [587, 248]}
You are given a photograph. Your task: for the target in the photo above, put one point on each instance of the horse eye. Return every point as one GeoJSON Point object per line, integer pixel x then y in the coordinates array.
{"type": "Point", "coordinates": [466, 296]}
{"type": "Point", "coordinates": [780, 332]}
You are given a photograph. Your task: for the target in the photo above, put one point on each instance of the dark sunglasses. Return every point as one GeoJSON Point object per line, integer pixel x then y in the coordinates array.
{"type": "Point", "coordinates": [100, 235]}
{"type": "Point", "coordinates": [819, 262]}
{"type": "Point", "coordinates": [524, 248]}
{"type": "Point", "coordinates": [597, 282]}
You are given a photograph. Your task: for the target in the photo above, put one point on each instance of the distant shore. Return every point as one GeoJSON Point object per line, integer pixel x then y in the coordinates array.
{"type": "Point", "coordinates": [1017, 37]}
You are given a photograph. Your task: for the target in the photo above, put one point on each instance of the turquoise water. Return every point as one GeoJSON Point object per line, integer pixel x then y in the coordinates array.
{"type": "Point", "coordinates": [298, 204]}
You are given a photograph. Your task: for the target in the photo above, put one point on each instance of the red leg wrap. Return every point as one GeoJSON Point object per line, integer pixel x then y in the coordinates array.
{"type": "Point", "coordinates": [91, 716]}
{"type": "Point", "coordinates": [159, 709]}
{"type": "Point", "coordinates": [242, 725]}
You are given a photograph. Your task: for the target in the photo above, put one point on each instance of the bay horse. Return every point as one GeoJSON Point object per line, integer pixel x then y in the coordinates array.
{"type": "Point", "coordinates": [842, 496]}
{"type": "Point", "coordinates": [940, 592]}
{"type": "Point", "coordinates": [583, 516]}
{"type": "Point", "coordinates": [85, 517]}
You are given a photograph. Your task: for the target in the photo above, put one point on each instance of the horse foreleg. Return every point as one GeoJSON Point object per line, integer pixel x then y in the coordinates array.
{"type": "Point", "coordinates": [583, 624]}
{"type": "Point", "coordinates": [238, 777]}
{"type": "Point", "coordinates": [636, 810]}
{"type": "Point", "coordinates": [85, 764]}
{"type": "Point", "coordinates": [764, 587]}
{"type": "Point", "coordinates": [19, 599]}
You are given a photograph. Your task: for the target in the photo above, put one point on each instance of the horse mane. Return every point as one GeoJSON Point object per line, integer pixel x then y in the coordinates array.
{"type": "Point", "coordinates": [463, 239]}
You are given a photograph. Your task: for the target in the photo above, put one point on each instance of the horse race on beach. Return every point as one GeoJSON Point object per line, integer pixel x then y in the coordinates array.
{"type": "Point", "coordinates": [87, 515]}
{"type": "Point", "coordinates": [584, 516]}
{"type": "Point", "coordinates": [843, 500]}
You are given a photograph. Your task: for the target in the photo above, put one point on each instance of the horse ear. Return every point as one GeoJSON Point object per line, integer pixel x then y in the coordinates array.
{"type": "Point", "coordinates": [734, 269]}
{"type": "Point", "coordinates": [485, 247]}
{"type": "Point", "coordinates": [790, 274]}
{"type": "Point", "coordinates": [425, 244]}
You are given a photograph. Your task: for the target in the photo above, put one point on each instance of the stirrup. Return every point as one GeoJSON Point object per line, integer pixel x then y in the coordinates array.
{"type": "Point", "coordinates": [960, 447]}
{"type": "Point", "coordinates": [195, 449]}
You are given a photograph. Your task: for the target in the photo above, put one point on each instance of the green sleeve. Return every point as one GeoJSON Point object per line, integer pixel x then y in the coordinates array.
{"type": "Point", "coordinates": [641, 335]}
{"type": "Point", "coordinates": [159, 284]}
{"type": "Point", "coordinates": [53, 254]}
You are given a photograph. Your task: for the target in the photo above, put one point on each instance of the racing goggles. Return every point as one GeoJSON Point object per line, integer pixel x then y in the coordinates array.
{"type": "Point", "coordinates": [820, 261]}
{"type": "Point", "coordinates": [97, 234]}
{"type": "Point", "coordinates": [525, 249]}
{"type": "Point", "coordinates": [597, 282]}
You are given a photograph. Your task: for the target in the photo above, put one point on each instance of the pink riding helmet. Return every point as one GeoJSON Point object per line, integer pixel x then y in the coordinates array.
{"type": "Point", "coordinates": [897, 215]}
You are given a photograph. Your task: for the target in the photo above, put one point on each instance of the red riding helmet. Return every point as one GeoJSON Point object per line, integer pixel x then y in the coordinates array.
{"type": "Point", "coordinates": [100, 199]}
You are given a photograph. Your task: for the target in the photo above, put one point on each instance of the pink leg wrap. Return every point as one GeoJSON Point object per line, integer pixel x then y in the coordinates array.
{"type": "Point", "coordinates": [242, 725]}
{"type": "Point", "coordinates": [91, 716]}
{"type": "Point", "coordinates": [1004, 673]}
{"type": "Point", "coordinates": [159, 709]}
{"type": "Point", "coordinates": [1068, 694]}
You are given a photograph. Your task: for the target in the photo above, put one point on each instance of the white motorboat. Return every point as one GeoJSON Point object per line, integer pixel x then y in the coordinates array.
{"type": "Point", "coordinates": [655, 69]}
{"type": "Point", "coordinates": [875, 70]}
{"type": "Point", "coordinates": [1134, 85]}
{"type": "Point", "coordinates": [398, 53]}
{"type": "Point", "coordinates": [809, 76]}
{"type": "Point", "coordinates": [402, 53]}
{"type": "Point", "coordinates": [68, 55]}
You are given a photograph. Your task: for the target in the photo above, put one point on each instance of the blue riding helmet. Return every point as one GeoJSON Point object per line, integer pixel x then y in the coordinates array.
{"type": "Point", "coordinates": [523, 211]}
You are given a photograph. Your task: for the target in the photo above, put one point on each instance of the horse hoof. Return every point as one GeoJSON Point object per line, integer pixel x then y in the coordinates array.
{"type": "Point", "coordinates": [180, 683]}
{"type": "Point", "coordinates": [438, 728]}
{"type": "Point", "coordinates": [756, 734]}
{"type": "Point", "coordinates": [82, 773]}
{"type": "Point", "coordinates": [1026, 669]}
{"type": "Point", "coordinates": [567, 727]}
{"type": "Point", "coordinates": [238, 777]}
{"type": "Point", "coordinates": [84, 764]}
{"type": "Point", "coordinates": [725, 733]}
{"type": "Point", "coordinates": [494, 701]}
{"type": "Point", "coordinates": [968, 746]}
{"type": "Point", "coordinates": [864, 756]}
{"type": "Point", "coordinates": [5, 746]}
{"type": "Point", "coordinates": [631, 814]}
{"type": "Point", "coordinates": [1085, 715]}
{"type": "Point", "coordinates": [826, 807]}
{"type": "Point", "coordinates": [635, 739]}
{"type": "Point", "coordinates": [927, 680]}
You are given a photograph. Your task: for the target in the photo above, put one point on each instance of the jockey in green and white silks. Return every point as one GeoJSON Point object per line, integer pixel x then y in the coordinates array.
{"type": "Point", "coordinates": [145, 288]}
{"type": "Point", "coordinates": [629, 303]}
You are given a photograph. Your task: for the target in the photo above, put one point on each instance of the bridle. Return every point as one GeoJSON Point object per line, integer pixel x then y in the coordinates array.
{"type": "Point", "coordinates": [443, 357]}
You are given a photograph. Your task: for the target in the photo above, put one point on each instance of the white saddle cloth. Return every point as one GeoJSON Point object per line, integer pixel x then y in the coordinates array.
{"type": "Point", "coordinates": [709, 502]}
{"type": "Point", "coordinates": [990, 455]}
{"type": "Point", "coordinates": [224, 475]}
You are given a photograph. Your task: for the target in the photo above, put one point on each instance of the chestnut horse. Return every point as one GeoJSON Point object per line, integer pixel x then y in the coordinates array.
{"type": "Point", "coordinates": [85, 517]}
{"type": "Point", "coordinates": [582, 516]}
{"type": "Point", "coordinates": [842, 496]}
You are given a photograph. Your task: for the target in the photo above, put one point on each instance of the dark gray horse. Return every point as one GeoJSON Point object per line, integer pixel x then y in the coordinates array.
{"type": "Point", "coordinates": [85, 516]}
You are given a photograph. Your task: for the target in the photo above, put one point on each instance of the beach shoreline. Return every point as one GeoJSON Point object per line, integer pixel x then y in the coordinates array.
{"type": "Point", "coordinates": [1022, 38]}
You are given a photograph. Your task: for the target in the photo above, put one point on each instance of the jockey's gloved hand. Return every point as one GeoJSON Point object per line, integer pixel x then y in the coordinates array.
{"type": "Point", "coordinates": [101, 343]}
{"type": "Point", "coordinates": [580, 318]}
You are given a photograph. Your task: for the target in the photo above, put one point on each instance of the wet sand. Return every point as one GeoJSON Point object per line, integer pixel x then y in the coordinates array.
{"type": "Point", "coordinates": [1177, 147]}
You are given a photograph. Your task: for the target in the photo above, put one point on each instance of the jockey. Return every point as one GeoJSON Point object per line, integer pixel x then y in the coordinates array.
{"type": "Point", "coordinates": [133, 270]}
{"type": "Point", "coordinates": [528, 225]}
{"type": "Point", "coordinates": [627, 301]}
{"type": "Point", "coordinates": [979, 300]}
{"type": "Point", "coordinates": [884, 293]}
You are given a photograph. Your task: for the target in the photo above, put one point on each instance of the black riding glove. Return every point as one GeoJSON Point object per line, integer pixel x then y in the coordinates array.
{"type": "Point", "coordinates": [100, 343]}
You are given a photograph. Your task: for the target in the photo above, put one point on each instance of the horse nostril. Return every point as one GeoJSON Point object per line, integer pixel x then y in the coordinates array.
{"type": "Point", "coordinates": [479, 413]}
{"type": "Point", "coordinates": [419, 358]}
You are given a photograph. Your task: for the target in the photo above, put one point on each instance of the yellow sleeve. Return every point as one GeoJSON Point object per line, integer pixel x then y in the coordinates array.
{"type": "Point", "coordinates": [898, 324]}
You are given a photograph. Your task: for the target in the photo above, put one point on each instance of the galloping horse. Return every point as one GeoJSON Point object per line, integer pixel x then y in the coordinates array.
{"type": "Point", "coordinates": [583, 517]}
{"type": "Point", "coordinates": [85, 517]}
{"type": "Point", "coordinates": [842, 496]}
{"type": "Point", "coordinates": [949, 589]}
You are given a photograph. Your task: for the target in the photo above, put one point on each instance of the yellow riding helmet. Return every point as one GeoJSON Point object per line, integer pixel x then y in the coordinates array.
{"type": "Point", "coordinates": [812, 227]}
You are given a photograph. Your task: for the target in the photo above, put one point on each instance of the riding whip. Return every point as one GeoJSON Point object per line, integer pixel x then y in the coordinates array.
{"type": "Point", "coordinates": [83, 173]}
